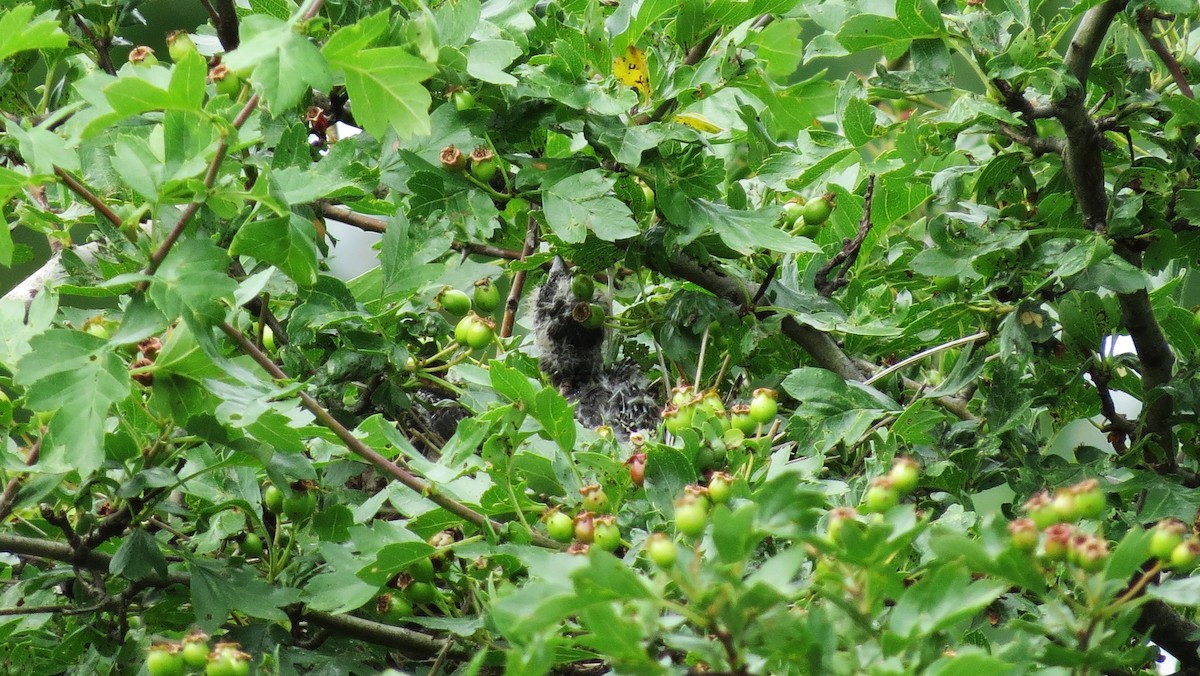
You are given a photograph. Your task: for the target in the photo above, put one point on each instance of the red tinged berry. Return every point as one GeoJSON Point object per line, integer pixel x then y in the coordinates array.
{"type": "Point", "coordinates": [1089, 499]}
{"type": "Point", "coordinates": [1024, 534]}
{"type": "Point", "coordinates": [1040, 508]}
{"type": "Point", "coordinates": [880, 496]}
{"type": "Point", "coordinates": [1057, 544]}
{"type": "Point", "coordinates": [585, 528]}
{"type": "Point", "coordinates": [1186, 554]}
{"type": "Point", "coordinates": [595, 499]}
{"type": "Point", "coordinates": [1165, 536]}
{"type": "Point", "coordinates": [637, 469]}
{"type": "Point", "coordinates": [607, 536]}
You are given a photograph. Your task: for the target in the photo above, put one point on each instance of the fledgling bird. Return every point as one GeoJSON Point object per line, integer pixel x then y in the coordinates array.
{"type": "Point", "coordinates": [572, 356]}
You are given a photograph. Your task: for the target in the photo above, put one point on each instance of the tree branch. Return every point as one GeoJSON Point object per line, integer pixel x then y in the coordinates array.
{"type": "Point", "coordinates": [849, 252]}
{"type": "Point", "coordinates": [101, 45]}
{"type": "Point", "coordinates": [367, 630]}
{"type": "Point", "coordinates": [342, 214]}
{"type": "Point", "coordinates": [1145, 19]}
{"type": "Point", "coordinates": [518, 282]}
{"type": "Point", "coordinates": [227, 24]}
{"type": "Point", "coordinates": [88, 196]}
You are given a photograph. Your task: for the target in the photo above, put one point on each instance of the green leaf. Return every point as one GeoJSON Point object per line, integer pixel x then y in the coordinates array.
{"type": "Point", "coordinates": [78, 376]}
{"type": "Point", "coordinates": [583, 202]}
{"type": "Point", "coordinates": [288, 243]}
{"type": "Point", "coordinates": [606, 578]}
{"type": "Point", "coordinates": [555, 415]}
{"type": "Point", "coordinates": [487, 59]}
{"type": "Point", "coordinates": [18, 33]}
{"type": "Point", "coordinates": [138, 557]}
{"type": "Point", "coordinates": [939, 600]}
{"type": "Point", "coordinates": [667, 472]}
{"type": "Point", "coordinates": [394, 558]}
{"type": "Point", "coordinates": [384, 83]}
{"type": "Point", "coordinates": [780, 48]}
{"type": "Point", "coordinates": [193, 282]}
{"type": "Point", "coordinates": [218, 588]}
{"type": "Point", "coordinates": [858, 122]}
{"type": "Point", "coordinates": [284, 64]}
{"type": "Point", "coordinates": [897, 193]}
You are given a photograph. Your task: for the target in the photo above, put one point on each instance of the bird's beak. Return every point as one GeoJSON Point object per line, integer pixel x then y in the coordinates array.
{"type": "Point", "coordinates": [559, 265]}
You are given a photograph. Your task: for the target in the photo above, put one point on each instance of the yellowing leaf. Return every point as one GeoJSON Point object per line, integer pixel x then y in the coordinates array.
{"type": "Point", "coordinates": [697, 121]}
{"type": "Point", "coordinates": [631, 70]}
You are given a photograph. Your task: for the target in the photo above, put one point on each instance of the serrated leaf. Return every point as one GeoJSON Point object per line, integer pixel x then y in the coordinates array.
{"type": "Point", "coordinates": [487, 59]}
{"type": "Point", "coordinates": [554, 413]}
{"type": "Point", "coordinates": [79, 377]}
{"type": "Point", "coordinates": [780, 48]}
{"type": "Point", "coordinates": [631, 70]}
{"type": "Point", "coordinates": [283, 63]}
{"type": "Point", "coordinates": [858, 122]}
{"type": "Point", "coordinates": [582, 202]}
{"type": "Point", "coordinates": [18, 33]}
{"type": "Point", "coordinates": [384, 84]}
{"type": "Point", "coordinates": [288, 243]}
{"type": "Point", "coordinates": [138, 557]}
{"type": "Point", "coordinates": [193, 282]}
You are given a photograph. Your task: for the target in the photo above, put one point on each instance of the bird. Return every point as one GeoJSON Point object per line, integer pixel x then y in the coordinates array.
{"type": "Point", "coordinates": [571, 354]}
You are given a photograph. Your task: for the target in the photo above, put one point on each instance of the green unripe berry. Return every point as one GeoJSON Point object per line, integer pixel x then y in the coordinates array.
{"type": "Point", "coordinates": [583, 288]}
{"type": "Point", "coordinates": [487, 296]}
{"type": "Point", "coordinates": [454, 301]}
{"type": "Point", "coordinates": [817, 211]}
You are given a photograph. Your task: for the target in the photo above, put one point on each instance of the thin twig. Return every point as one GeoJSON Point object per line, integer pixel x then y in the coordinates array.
{"type": "Point", "coordinates": [342, 214]}
{"type": "Point", "coordinates": [762, 288]}
{"type": "Point", "coordinates": [101, 46]}
{"type": "Point", "coordinates": [88, 196]}
{"type": "Point", "coordinates": [849, 253]}
{"type": "Point", "coordinates": [212, 12]}
{"type": "Point", "coordinates": [1145, 25]}
{"type": "Point", "coordinates": [518, 282]}
{"type": "Point", "coordinates": [13, 488]}
{"type": "Point", "coordinates": [904, 363]}
{"type": "Point", "coordinates": [210, 179]}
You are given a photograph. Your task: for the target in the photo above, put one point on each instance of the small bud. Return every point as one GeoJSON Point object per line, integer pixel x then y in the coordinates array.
{"type": "Point", "coordinates": [1024, 533]}
{"type": "Point", "coordinates": [1058, 541]}
{"type": "Point", "coordinates": [452, 159]}
{"type": "Point", "coordinates": [142, 56]}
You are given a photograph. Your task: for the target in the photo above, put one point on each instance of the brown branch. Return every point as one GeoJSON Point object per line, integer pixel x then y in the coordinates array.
{"type": "Point", "coordinates": [212, 11]}
{"type": "Point", "coordinates": [342, 214]}
{"type": "Point", "coordinates": [88, 196]}
{"type": "Point", "coordinates": [1116, 422]}
{"type": "Point", "coordinates": [101, 45]}
{"type": "Point", "coordinates": [766, 284]}
{"type": "Point", "coordinates": [210, 179]}
{"type": "Point", "coordinates": [1172, 632]}
{"type": "Point", "coordinates": [518, 281]}
{"type": "Point", "coordinates": [227, 25]}
{"type": "Point", "coordinates": [356, 445]}
{"type": "Point", "coordinates": [13, 488]}
{"type": "Point", "coordinates": [849, 253]}
{"type": "Point", "coordinates": [367, 630]}
{"type": "Point", "coordinates": [1039, 145]}
{"type": "Point", "coordinates": [1145, 19]}
{"type": "Point", "coordinates": [1085, 169]}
